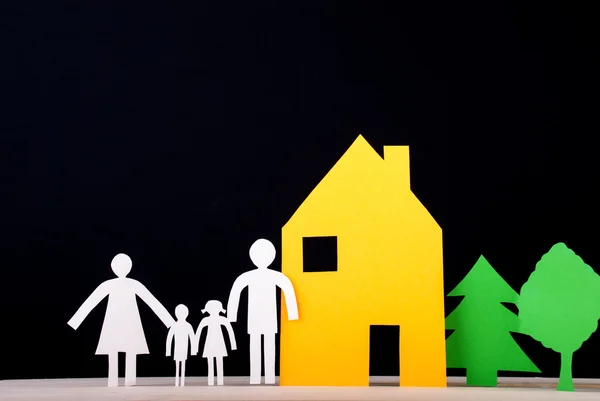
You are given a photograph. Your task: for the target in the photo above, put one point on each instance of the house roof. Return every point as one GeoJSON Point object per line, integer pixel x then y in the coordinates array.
{"type": "Point", "coordinates": [395, 157]}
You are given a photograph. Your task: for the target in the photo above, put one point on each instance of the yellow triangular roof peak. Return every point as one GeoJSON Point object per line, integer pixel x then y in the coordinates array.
{"type": "Point", "coordinates": [360, 141]}
{"type": "Point", "coordinates": [390, 152]}
{"type": "Point", "coordinates": [360, 144]}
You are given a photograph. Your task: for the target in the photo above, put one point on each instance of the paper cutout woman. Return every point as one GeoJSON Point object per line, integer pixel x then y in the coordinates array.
{"type": "Point", "coordinates": [214, 346]}
{"type": "Point", "coordinates": [262, 284]}
{"type": "Point", "coordinates": [183, 333]}
{"type": "Point", "coordinates": [122, 329]}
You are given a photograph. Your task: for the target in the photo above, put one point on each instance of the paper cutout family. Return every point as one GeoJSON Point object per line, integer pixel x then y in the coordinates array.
{"type": "Point", "coordinates": [122, 329]}
{"type": "Point", "coordinates": [391, 255]}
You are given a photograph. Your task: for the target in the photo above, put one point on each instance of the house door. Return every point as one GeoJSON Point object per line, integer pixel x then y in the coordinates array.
{"type": "Point", "coordinates": [384, 355]}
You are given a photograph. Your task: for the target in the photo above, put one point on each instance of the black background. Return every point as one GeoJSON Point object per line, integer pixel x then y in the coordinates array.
{"type": "Point", "coordinates": [179, 132]}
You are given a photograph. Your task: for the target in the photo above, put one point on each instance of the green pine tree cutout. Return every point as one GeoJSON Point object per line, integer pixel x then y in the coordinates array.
{"type": "Point", "coordinates": [560, 306]}
{"type": "Point", "coordinates": [481, 342]}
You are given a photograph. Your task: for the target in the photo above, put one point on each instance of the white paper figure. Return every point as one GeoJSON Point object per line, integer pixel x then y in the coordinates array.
{"type": "Point", "coordinates": [122, 328]}
{"type": "Point", "coordinates": [262, 286]}
{"type": "Point", "coordinates": [214, 346]}
{"type": "Point", "coordinates": [183, 333]}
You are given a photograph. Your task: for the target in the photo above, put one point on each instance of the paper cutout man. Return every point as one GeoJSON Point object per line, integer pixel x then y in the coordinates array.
{"type": "Point", "coordinates": [183, 333]}
{"type": "Point", "coordinates": [214, 346]}
{"type": "Point", "coordinates": [262, 286]}
{"type": "Point", "coordinates": [122, 329]}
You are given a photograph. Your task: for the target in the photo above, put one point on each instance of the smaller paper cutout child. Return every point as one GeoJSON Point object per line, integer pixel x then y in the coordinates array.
{"type": "Point", "coordinates": [214, 346]}
{"type": "Point", "coordinates": [183, 333]}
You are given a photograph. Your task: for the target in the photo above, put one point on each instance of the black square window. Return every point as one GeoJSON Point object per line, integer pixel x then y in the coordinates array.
{"type": "Point", "coordinates": [319, 254]}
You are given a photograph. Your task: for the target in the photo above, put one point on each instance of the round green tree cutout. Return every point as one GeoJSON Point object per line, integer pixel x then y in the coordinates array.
{"type": "Point", "coordinates": [559, 306]}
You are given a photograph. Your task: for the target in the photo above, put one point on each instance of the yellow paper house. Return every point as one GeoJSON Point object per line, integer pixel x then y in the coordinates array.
{"type": "Point", "coordinates": [387, 270]}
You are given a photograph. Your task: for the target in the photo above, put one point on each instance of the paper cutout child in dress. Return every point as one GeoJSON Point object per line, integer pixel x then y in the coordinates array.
{"type": "Point", "coordinates": [214, 347]}
{"type": "Point", "coordinates": [262, 284]}
{"type": "Point", "coordinates": [122, 330]}
{"type": "Point", "coordinates": [183, 333]}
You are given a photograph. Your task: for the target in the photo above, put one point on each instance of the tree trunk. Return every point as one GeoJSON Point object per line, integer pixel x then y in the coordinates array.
{"type": "Point", "coordinates": [482, 376]}
{"type": "Point", "coordinates": [565, 381]}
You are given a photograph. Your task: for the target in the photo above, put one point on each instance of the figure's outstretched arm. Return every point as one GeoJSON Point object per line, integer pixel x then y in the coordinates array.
{"type": "Point", "coordinates": [153, 303]}
{"type": "Point", "coordinates": [192, 339]}
{"type": "Point", "coordinates": [94, 299]}
{"type": "Point", "coordinates": [170, 340]}
{"type": "Point", "coordinates": [231, 334]}
{"type": "Point", "coordinates": [234, 297]}
{"type": "Point", "coordinates": [202, 325]}
{"type": "Point", "coordinates": [290, 296]}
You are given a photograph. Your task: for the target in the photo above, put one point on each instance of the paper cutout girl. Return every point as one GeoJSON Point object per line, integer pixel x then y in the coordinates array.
{"type": "Point", "coordinates": [214, 347]}
{"type": "Point", "coordinates": [183, 333]}
{"type": "Point", "coordinates": [122, 328]}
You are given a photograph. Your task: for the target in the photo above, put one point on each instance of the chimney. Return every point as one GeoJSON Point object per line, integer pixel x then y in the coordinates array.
{"type": "Point", "coordinates": [397, 160]}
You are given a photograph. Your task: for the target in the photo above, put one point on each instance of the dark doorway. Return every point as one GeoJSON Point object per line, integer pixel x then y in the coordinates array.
{"type": "Point", "coordinates": [384, 354]}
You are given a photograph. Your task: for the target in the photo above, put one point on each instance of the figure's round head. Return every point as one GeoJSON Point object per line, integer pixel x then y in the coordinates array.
{"type": "Point", "coordinates": [213, 308]}
{"type": "Point", "coordinates": [262, 253]}
{"type": "Point", "coordinates": [121, 265]}
{"type": "Point", "coordinates": [181, 312]}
